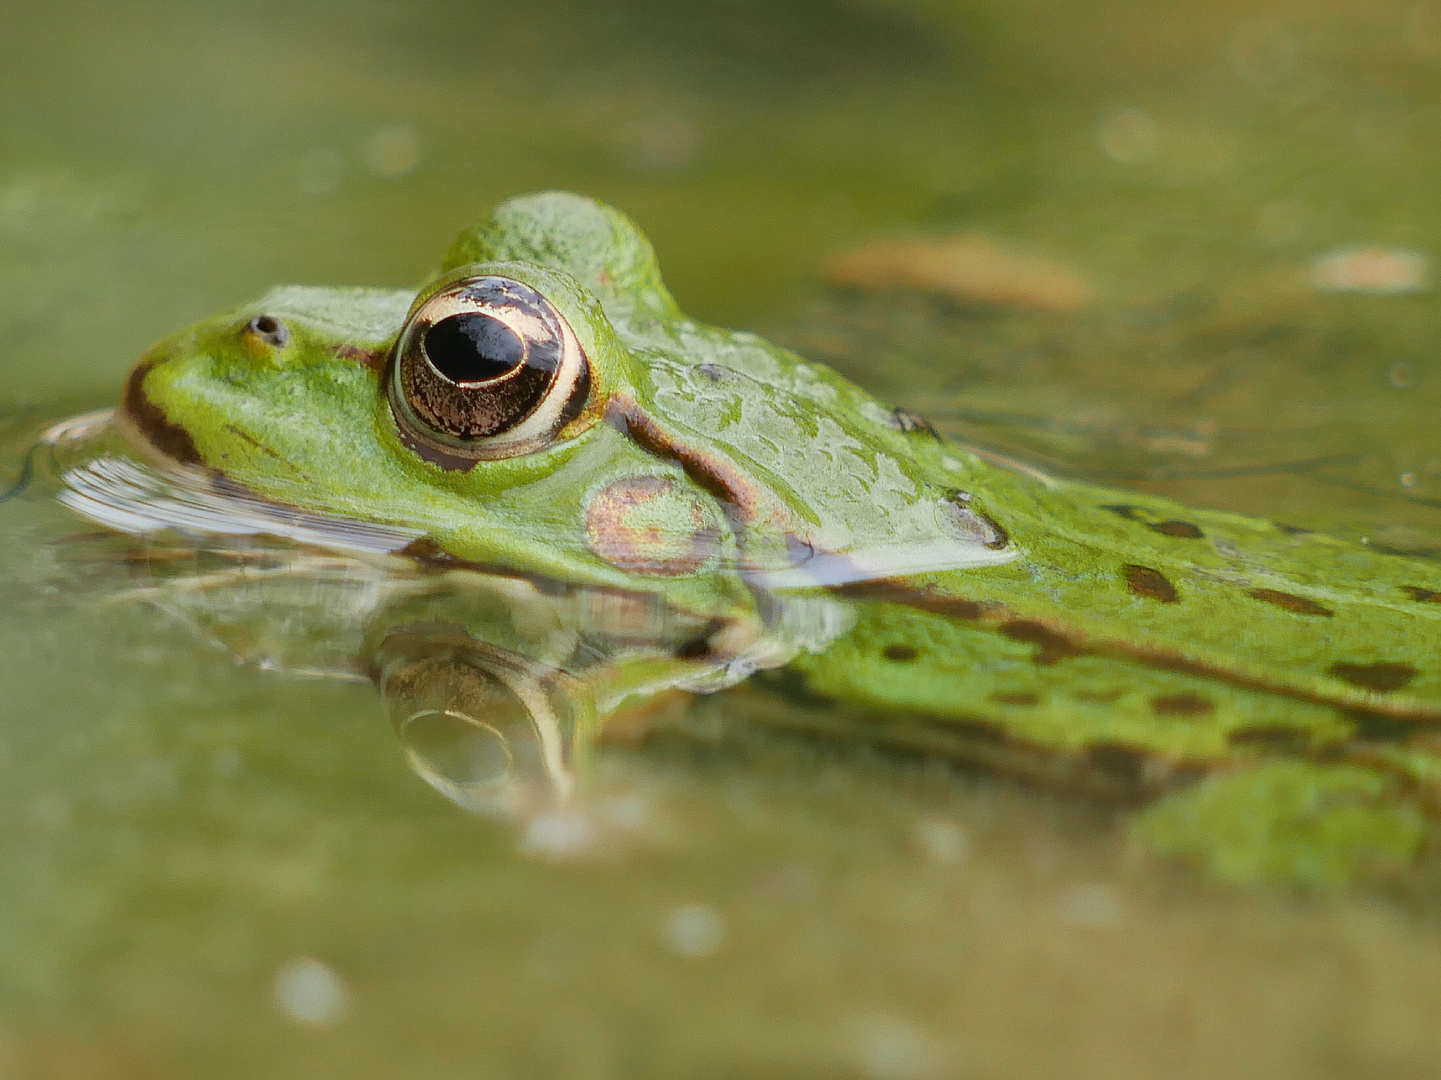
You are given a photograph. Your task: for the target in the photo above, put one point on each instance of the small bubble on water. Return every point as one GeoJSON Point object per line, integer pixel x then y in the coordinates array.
{"type": "Point", "coordinates": [1127, 135]}
{"type": "Point", "coordinates": [941, 841]}
{"type": "Point", "coordinates": [559, 834]}
{"type": "Point", "coordinates": [893, 1049]}
{"type": "Point", "coordinates": [1408, 479]}
{"type": "Point", "coordinates": [694, 931]}
{"type": "Point", "coordinates": [310, 992]}
{"type": "Point", "coordinates": [1090, 905]}
{"type": "Point", "coordinates": [1401, 376]}
{"type": "Point", "coordinates": [393, 152]}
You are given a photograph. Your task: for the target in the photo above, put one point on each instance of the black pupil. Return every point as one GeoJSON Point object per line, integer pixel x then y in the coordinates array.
{"type": "Point", "coordinates": [472, 347]}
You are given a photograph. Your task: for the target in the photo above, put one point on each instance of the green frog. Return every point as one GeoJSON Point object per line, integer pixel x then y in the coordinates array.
{"type": "Point", "coordinates": [597, 499]}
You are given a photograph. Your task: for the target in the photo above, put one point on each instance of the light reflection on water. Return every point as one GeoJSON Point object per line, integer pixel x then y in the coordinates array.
{"type": "Point", "coordinates": [192, 844]}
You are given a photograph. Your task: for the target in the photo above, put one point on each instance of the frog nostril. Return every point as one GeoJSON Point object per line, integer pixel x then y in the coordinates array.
{"type": "Point", "coordinates": [270, 330]}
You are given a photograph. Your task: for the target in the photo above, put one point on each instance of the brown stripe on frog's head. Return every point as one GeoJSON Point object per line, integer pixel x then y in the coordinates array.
{"type": "Point", "coordinates": [1184, 704]}
{"type": "Point", "coordinates": [710, 471]}
{"type": "Point", "coordinates": [147, 426]}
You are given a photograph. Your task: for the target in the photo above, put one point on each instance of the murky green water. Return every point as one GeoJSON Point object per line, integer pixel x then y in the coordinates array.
{"type": "Point", "coordinates": [214, 870]}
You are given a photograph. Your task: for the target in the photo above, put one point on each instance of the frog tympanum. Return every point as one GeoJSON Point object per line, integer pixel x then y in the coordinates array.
{"type": "Point", "coordinates": [572, 497]}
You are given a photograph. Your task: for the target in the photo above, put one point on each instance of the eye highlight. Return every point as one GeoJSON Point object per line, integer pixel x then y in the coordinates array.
{"type": "Point", "coordinates": [486, 368]}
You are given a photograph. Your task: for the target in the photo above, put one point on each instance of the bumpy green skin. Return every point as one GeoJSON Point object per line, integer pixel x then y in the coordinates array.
{"type": "Point", "coordinates": [1119, 643]}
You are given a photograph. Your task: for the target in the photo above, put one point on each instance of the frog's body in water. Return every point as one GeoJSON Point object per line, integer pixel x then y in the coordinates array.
{"type": "Point", "coordinates": [542, 410]}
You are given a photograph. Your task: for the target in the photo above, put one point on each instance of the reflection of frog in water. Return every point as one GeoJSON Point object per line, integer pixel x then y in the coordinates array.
{"type": "Point", "coordinates": [598, 499]}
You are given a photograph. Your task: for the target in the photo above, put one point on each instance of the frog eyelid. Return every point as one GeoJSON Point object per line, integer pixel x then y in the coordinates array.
{"type": "Point", "coordinates": [487, 368]}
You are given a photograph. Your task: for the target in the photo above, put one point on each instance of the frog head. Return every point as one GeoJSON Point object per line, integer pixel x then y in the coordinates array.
{"type": "Point", "coordinates": [542, 406]}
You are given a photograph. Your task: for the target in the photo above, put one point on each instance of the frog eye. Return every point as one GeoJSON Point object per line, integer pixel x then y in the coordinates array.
{"type": "Point", "coordinates": [487, 368]}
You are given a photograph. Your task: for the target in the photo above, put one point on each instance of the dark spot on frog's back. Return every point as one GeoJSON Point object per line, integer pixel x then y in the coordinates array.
{"type": "Point", "coordinates": [1016, 697]}
{"type": "Point", "coordinates": [1372, 726]}
{"type": "Point", "coordinates": [1277, 737]}
{"type": "Point", "coordinates": [1130, 513]}
{"type": "Point", "coordinates": [1422, 596]}
{"type": "Point", "coordinates": [1152, 584]}
{"type": "Point", "coordinates": [1290, 602]}
{"type": "Point", "coordinates": [1051, 645]}
{"type": "Point", "coordinates": [1182, 530]}
{"type": "Point", "coordinates": [171, 440]}
{"type": "Point", "coordinates": [900, 654]}
{"type": "Point", "coordinates": [1182, 705]}
{"type": "Point", "coordinates": [1381, 677]}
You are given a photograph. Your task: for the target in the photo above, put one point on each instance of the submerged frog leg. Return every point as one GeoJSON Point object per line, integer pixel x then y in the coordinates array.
{"type": "Point", "coordinates": [1295, 822]}
{"type": "Point", "coordinates": [1109, 725]}
{"type": "Point", "coordinates": [1253, 786]}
